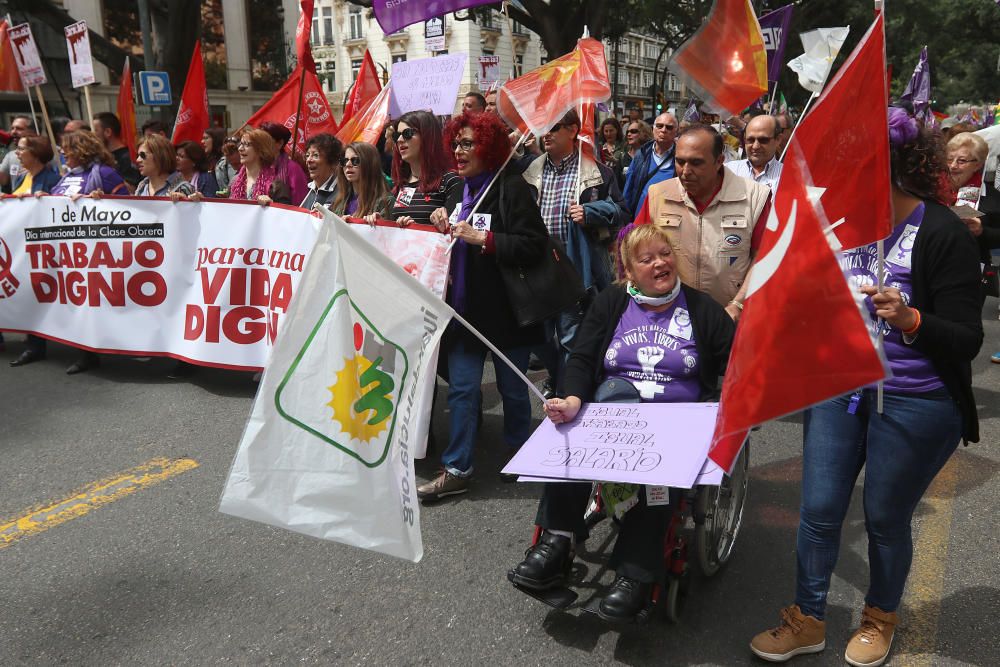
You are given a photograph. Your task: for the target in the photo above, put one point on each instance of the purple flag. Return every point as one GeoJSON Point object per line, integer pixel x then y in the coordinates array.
{"type": "Point", "coordinates": [692, 115]}
{"type": "Point", "coordinates": [918, 90]}
{"type": "Point", "coordinates": [774, 26]}
{"type": "Point", "coordinates": [395, 14]}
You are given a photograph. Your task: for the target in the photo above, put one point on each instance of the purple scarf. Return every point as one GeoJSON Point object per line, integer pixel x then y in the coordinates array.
{"type": "Point", "coordinates": [474, 188]}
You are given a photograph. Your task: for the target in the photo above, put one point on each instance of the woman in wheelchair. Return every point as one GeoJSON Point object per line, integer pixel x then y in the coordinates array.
{"type": "Point", "coordinates": [663, 341]}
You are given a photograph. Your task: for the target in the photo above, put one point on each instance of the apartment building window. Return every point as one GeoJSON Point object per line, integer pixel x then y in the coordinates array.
{"type": "Point", "coordinates": [518, 65]}
{"type": "Point", "coordinates": [315, 26]}
{"type": "Point", "coordinates": [330, 75]}
{"type": "Point", "coordinates": [328, 25]}
{"type": "Point", "coordinates": [401, 58]}
{"type": "Point", "coordinates": [355, 69]}
{"type": "Point", "coordinates": [356, 23]}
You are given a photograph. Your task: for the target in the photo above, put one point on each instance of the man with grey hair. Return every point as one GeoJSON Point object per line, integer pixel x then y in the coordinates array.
{"type": "Point", "coordinates": [760, 144]}
{"type": "Point", "coordinates": [654, 163]}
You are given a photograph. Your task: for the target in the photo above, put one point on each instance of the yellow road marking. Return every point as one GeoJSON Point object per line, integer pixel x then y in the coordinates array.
{"type": "Point", "coordinates": [926, 581]}
{"type": "Point", "coordinates": [91, 497]}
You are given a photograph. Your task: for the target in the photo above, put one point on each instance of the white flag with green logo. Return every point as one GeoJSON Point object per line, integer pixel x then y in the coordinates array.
{"type": "Point", "coordinates": [343, 403]}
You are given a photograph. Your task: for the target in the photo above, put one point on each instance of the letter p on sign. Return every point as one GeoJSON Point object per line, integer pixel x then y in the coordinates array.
{"type": "Point", "coordinates": [154, 88]}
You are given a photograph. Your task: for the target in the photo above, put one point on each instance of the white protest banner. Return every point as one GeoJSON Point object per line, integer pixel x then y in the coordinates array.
{"type": "Point", "coordinates": [81, 66]}
{"type": "Point", "coordinates": [434, 34]}
{"type": "Point", "coordinates": [209, 283]}
{"type": "Point", "coordinates": [29, 64]}
{"type": "Point", "coordinates": [489, 72]}
{"type": "Point", "coordinates": [328, 449]}
{"type": "Point", "coordinates": [638, 443]}
{"type": "Point", "coordinates": [427, 84]}
{"type": "Point", "coordinates": [420, 250]}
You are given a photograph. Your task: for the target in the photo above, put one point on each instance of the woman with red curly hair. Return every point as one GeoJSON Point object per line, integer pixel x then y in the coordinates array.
{"type": "Point", "coordinates": [420, 169]}
{"type": "Point", "coordinates": [507, 229]}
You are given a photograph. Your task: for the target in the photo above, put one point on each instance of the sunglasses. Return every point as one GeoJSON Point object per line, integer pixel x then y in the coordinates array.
{"type": "Point", "coordinates": [353, 161]}
{"type": "Point", "coordinates": [664, 126]}
{"type": "Point", "coordinates": [143, 155]}
{"type": "Point", "coordinates": [763, 141]}
{"type": "Point", "coordinates": [407, 134]}
{"type": "Point", "coordinates": [632, 132]}
{"type": "Point", "coordinates": [556, 128]}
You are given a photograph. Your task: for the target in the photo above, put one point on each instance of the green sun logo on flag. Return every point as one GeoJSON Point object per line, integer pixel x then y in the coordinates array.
{"type": "Point", "coordinates": [357, 413]}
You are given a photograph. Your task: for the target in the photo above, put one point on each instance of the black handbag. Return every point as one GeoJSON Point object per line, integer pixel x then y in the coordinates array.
{"type": "Point", "coordinates": [991, 282]}
{"type": "Point", "coordinates": [544, 289]}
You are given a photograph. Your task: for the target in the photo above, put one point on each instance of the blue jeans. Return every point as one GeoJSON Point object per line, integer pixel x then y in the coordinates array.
{"type": "Point", "coordinates": [465, 379]}
{"type": "Point", "coordinates": [904, 448]}
{"type": "Point", "coordinates": [560, 331]}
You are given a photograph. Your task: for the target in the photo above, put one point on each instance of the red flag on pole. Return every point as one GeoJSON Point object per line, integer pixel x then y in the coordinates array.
{"type": "Point", "coordinates": [303, 49]}
{"type": "Point", "coordinates": [725, 62]}
{"type": "Point", "coordinates": [851, 160]}
{"type": "Point", "coordinates": [366, 87]}
{"type": "Point", "coordinates": [10, 80]}
{"type": "Point", "coordinates": [192, 113]}
{"type": "Point", "coordinates": [802, 338]}
{"type": "Point", "coordinates": [367, 124]}
{"type": "Point", "coordinates": [283, 108]}
{"type": "Point", "coordinates": [125, 110]}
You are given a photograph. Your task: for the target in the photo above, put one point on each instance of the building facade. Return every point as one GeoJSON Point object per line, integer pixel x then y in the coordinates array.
{"type": "Point", "coordinates": [636, 62]}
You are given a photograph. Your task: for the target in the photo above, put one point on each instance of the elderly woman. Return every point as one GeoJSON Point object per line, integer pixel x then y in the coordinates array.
{"type": "Point", "coordinates": [420, 169]}
{"type": "Point", "coordinates": [638, 134]}
{"type": "Point", "coordinates": [361, 188]}
{"type": "Point", "coordinates": [228, 165]}
{"type": "Point", "coordinates": [929, 315]}
{"type": "Point", "coordinates": [258, 173]}
{"type": "Point", "coordinates": [514, 236]}
{"type": "Point", "coordinates": [196, 168]}
{"type": "Point", "coordinates": [157, 162]}
{"type": "Point", "coordinates": [687, 335]}
{"type": "Point", "coordinates": [323, 153]}
{"type": "Point", "coordinates": [91, 168]}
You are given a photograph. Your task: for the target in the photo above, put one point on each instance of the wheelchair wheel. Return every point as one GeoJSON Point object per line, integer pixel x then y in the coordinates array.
{"type": "Point", "coordinates": [673, 605]}
{"type": "Point", "coordinates": [718, 514]}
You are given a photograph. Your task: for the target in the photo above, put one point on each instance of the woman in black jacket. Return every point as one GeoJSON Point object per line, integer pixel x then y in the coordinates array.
{"type": "Point", "coordinates": [506, 229]}
{"type": "Point", "coordinates": [929, 316]}
{"type": "Point", "coordinates": [670, 343]}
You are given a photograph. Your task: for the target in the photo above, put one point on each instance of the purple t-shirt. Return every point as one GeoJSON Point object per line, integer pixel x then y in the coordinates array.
{"type": "Point", "coordinates": [656, 353]}
{"type": "Point", "coordinates": [912, 371]}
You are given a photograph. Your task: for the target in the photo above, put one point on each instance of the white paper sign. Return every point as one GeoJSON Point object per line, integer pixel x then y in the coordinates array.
{"type": "Point", "coordinates": [81, 66]}
{"type": "Point", "coordinates": [427, 84]}
{"type": "Point", "coordinates": [29, 63]}
{"type": "Point", "coordinates": [489, 72]}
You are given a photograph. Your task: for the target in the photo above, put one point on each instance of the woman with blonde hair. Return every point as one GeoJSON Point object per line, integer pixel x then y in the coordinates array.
{"type": "Point", "coordinates": [258, 173]}
{"type": "Point", "coordinates": [361, 188]}
{"type": "Point", "coordinates": [91, 168]}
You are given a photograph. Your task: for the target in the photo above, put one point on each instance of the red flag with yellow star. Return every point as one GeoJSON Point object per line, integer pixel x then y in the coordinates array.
{"type": "Point", "coordinates": [537, 100]}
{"type": "Point", "coordinates": [725, 63]}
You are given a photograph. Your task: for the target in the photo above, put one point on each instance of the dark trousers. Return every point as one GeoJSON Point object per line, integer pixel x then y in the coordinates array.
{"type": "Point", "coordinates": [638, 551]}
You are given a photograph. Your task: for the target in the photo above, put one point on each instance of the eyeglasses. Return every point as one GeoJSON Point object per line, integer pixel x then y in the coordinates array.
{"type": "Point", "coordinates": [763, 141]}
{"type": "Point", "coordinates": [353, 161]}
{"type": "Point", "coordinates": [664, 126]}
{"type": "Point", "coordinates": [245, 144]}
{"type": "Point", "coordinates": [961, 161]}
{"type": "Point", "coordinates": [313, 155]}
{"type": "Point", "coordinates": [632, 132]}
{"type": "Point", "coordinates": [143, 155]}
{"type": "Point", "coordinates": [556, 128]}
{"type": "Point", "coordinates": [463, 146]}
{"type": "Point", "coordinates": [407, 134]}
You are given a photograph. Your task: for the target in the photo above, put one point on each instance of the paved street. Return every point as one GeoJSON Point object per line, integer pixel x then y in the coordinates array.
{"type": "Point", "coordinates": [145, 570]}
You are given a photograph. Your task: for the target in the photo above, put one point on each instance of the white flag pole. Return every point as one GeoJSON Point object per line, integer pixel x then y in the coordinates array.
{"type": "Point", "coordinates": [497, 354]}
{"type": "Point", "coordinates": [794, 129]}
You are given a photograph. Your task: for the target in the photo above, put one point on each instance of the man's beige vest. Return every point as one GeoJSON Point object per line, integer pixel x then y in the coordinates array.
{"type": "Point", "coordinates": [711, 249]}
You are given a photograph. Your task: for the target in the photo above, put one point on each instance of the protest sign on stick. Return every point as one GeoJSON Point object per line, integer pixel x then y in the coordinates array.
{"type": "Point", "coordinates": [429, 84]}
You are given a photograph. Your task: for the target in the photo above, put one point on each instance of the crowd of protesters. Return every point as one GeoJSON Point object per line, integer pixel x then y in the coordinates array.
{"type": "Point", "coordinates": [662, 225]}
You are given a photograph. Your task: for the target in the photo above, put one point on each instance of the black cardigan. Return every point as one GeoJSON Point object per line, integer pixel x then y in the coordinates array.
{"type": "Point", "coordinates": [713, 337]}
{"type": "Point", "coordinates": [946, 291]}
{"type": "Point", "coordinates": [520, 238]}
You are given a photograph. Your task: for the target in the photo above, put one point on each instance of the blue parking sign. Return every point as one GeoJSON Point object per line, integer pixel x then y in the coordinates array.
{"type": "Point", "coordinates": [154, 88]}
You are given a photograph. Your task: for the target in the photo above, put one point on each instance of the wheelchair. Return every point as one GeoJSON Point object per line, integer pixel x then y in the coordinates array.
{"type": "Point", "coordinates": [706, 521]}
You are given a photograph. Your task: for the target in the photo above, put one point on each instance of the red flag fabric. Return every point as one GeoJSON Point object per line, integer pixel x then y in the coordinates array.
{"type": "Point", "coordinates": [192, 113]}
{"type": "Point", "coordinates": [725, 62]}
{"type": "Point", "coordinates": [125, 110]}
{"type": "Point", "coordinates": [588, 133]}
{"type": "Point", "coordinates": [303, 49]}
{"type": "Point", "coordinates": [283, 108]}
{"type": "Point", "coordinates": [367, 124]}
{"type": "Point", "coordinates": [802, 338]}
{"type": "Point", "coordinates": [366, 88]}
{"type": "Point", "coordinates": [851, 159]}
{"type": "Point", "coordinates": [10, 80]}
{"type": "Point", "coordinates": [537, 100]}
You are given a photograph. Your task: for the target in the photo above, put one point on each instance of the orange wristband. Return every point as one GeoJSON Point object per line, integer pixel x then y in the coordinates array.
{"type": "Point", "coordinates": [916, 326]}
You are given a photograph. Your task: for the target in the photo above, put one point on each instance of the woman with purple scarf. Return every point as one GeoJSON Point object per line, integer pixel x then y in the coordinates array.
{"type": "Point", "coordinates": [507, 228]}
{"type": "Point", "coordinates": [929, 315]}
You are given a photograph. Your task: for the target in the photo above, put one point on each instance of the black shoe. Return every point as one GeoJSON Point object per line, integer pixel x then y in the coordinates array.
{"type": "Point", "coordinates": [545, 564]}
{"type": "Point", "coordinates": [27, 357]}
{"type": "Point", "coordinates": [181, 370]}
{"type": "Point", "coordinates": [507, 477]}
{"type": "Point", "coordinates": [85, 363]}
{"type": "Point", "coordinates": [549, 388]}
{"type": "Point", "coordinates": [625, 599]}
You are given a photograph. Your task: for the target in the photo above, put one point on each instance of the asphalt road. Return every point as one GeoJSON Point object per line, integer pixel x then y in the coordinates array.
{"type": "Point", "coordinates": [159, 576]}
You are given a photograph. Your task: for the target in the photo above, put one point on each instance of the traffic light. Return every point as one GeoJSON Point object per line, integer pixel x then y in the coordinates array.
{"type": "Point", "coordinates": [659, 102]}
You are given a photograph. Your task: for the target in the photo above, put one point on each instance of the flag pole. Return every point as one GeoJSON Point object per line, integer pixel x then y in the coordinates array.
{"type": "Point", "coordinates": [801, 116]}
{"type": "Point", "coordinates": [881, 336]}
{"type": "Point", "coordinates": [86, 97]}
{"type": "Point", "coordinates": [770, 105]}
{"type": "Point", "coordinates": [298, 110]}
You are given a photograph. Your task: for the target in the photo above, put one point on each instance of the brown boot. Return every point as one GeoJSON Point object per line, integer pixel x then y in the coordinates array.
{"type": "Point", "coordinates": [870, 644]}
{"type": "Point", "coordinates": [797, 634]}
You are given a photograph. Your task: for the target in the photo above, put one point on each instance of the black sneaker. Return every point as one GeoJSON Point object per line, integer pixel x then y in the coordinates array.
{"type": "Point", "coordinates": [545, 564]}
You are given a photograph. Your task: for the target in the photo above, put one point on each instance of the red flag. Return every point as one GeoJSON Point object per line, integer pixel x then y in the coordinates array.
{"type": "Point", "coordinates": [802, 338]}
{"type": "Point", "coordinates": [125, 110]}
{"type": "Point", "coordinates": [725, 62]}
{"type": "Point", "coordinates": [283, 108]}
{"type": "Point", "coordinates": [10, 80]}
{"type": "Point", "coordinates": [303, 49]}
{"type": "Point", "coordinates": [192, 113]}
{"type": "Point", "coordinates": [537, 100]}
{"type": "Point", "coordinates": [366, 87]}
{"type": "Point", "coordinates": [588, 133]}
{"type": "Point", "coordinates": [368, 123]}
{"type": "Point", "coordinates": [851, 159]}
